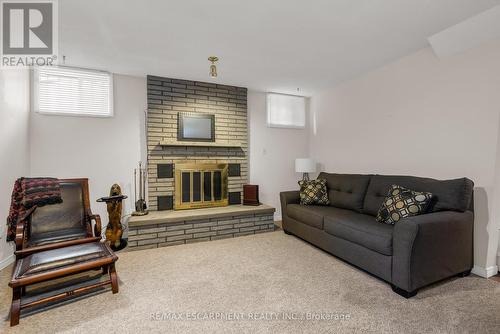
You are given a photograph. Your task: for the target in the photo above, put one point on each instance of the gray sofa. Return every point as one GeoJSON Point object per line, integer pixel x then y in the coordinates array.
{"type": "Point", "coordinates": [411, 254]}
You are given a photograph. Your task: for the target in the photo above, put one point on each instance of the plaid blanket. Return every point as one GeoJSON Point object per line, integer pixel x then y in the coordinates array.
{"type": "Point", "coordinates": [29, 193]}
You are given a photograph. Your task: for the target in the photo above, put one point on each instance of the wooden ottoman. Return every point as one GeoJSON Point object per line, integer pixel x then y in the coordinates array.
{"type": "Point", "coordinates": [56, 263]}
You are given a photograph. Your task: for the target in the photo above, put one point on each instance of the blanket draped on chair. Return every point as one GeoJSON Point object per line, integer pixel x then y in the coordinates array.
{"type": "Point", "coordinates": [28, 193]}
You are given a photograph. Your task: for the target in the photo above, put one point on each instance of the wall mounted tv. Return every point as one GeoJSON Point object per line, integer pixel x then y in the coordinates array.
{"type": "Point", "coordinates": [195, 127]}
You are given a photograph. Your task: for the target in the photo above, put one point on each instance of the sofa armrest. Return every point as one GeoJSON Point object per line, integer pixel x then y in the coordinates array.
{"type": "Point", "coordinates": [431, 247]}
{"type": "Point", "coordinates": [289, 197]}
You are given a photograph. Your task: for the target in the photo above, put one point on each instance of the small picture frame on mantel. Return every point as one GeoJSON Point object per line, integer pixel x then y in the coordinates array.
{"type": "Point", "coordinates": [196, 127]}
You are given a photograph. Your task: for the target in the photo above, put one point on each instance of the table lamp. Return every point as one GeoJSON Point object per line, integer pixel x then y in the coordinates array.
{"type": "Point", "coordinates": [305, 166]}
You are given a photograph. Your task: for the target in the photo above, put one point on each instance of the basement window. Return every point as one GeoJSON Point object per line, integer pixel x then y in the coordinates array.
{"type": "Point", "coordinates": [72, 92]}
{"type": "Point", "coordinates": [286, 111]}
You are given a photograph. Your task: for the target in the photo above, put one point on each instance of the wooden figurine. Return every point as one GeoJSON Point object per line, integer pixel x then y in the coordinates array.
{"type": "Point", "coordinates": [114, 229]}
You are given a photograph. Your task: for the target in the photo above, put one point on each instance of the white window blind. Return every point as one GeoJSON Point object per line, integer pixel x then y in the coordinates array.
{"type": "Point", "coordinates": [286, 111]}
{"type": "Point", "coordinates": [71, 91]}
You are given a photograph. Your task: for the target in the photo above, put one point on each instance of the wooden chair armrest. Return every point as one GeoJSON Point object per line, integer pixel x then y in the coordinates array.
{"type": "Point", "coordinates": [22, 227]}
{"type": "Point", "coordinates": [20, 230]}
{"type": "Point", "coordinates": [36, 249]}
{"type": "Point", "coordinates": [98, 225]}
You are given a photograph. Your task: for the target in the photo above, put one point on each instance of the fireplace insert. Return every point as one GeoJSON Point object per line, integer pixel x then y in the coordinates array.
{"type": "Point", "coordinates": [200, 185]}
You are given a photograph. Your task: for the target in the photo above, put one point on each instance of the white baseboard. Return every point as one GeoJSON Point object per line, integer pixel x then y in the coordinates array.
{"type": "Point", "coordinates": [5, 262]}
{"type": "Point", "coordinates": [277, 218]}
{"type": "Point", "coordinates": [485, 272]}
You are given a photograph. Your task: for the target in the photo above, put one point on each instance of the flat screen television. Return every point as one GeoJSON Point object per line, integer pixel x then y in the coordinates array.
{"type": "Point", "coordinates": [195, 127]}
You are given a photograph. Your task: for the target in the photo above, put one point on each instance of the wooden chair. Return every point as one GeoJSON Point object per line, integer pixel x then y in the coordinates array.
{"type": "Point", "coordinates": [47, 265]}
{"type": "Point", "coordinates": [59, 225]}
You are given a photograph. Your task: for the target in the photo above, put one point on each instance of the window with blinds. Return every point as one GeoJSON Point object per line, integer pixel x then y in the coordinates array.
{"type": "Point", "coordinates": [286, 111]}
{"type": "Point", "coordinates": [72, 91]}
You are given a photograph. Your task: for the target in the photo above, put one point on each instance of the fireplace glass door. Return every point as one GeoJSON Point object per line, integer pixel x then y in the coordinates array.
{"type": "Point", "coordinates": [200, 185]}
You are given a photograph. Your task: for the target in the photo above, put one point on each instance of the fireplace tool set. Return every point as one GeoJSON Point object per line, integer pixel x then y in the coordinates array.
{"type": "Point", "coordinates": [140, 191]}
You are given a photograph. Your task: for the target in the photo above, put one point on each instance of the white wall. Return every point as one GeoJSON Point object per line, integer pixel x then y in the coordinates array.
{"type": "Point", "coordinates": [420, 116]}
{"type": "Point", "coordinates": [272, 153]}
{"type": "Point", "coordinates": [14, 144]}
{"type": "Point", "coordinates": [105, 150]}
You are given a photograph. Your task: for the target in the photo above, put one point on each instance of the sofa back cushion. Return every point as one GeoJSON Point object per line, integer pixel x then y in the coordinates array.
{"type": "Point", "coordinates": [346, 191]}
{"type": "Point", "coordinates": [454, 195]}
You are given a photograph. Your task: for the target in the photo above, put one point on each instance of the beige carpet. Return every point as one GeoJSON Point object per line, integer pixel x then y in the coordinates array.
{"type": "Point", "coordinates": [261, 279]}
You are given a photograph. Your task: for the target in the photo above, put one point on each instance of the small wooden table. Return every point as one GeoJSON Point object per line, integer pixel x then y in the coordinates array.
{"type": "Point", "coordinates": [56, 263]}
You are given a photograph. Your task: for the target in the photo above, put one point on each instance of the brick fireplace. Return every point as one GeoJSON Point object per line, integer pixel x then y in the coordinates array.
{"type": "Point", "coordinates": [192, 185]}
{"type": "Point", "coordinates": [166, 99]}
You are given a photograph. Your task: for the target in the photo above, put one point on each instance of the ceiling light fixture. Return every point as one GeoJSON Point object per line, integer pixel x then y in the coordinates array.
{"type": "Point", "coordinates": [213, 68]}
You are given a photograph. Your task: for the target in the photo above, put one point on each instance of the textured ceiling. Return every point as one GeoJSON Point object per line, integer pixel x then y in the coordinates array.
{"type": "Point", "coordinates": [264, 45]}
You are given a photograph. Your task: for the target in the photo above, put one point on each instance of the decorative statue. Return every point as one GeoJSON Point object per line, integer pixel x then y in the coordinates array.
{"type": "Point", "coordinates": [114, 229]}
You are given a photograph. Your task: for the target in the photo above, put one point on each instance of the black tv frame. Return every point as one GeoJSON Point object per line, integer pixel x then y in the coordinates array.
{"type": "Point", "coordinates": [180, 126]}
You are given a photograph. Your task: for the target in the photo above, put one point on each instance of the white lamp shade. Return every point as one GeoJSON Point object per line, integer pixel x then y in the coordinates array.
{"type": "Point", "coordinates": [305, 165]}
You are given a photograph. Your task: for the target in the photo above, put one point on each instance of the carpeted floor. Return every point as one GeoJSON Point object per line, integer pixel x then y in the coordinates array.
{"type": "Point", "coordinates": [267, 283]}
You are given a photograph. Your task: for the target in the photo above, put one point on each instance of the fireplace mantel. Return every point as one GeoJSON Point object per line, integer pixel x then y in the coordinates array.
{"type": "Point", "coordinates": [199, 144]}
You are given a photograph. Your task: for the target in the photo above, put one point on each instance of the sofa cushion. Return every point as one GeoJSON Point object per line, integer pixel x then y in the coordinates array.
{"type": "Point", "coordinates": [360, 229]}
{"type": "Point", "coordinates": [454, 195]}
{"type": "Point", "coordinates": [401, 203]}
{"type": "Point", "coordinates": [346, 191]}
{"type": "Point", "coordinates": [311, 215]}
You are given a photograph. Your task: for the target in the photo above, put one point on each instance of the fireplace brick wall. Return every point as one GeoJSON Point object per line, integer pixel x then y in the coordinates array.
{"type": "Point", "coordinates": [166, 98]}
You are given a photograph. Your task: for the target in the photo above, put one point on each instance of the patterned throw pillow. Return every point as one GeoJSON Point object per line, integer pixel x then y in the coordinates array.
{"type": "Point", "coordinates": [401, 203]}
{"type": "Point", "coordinates": [313, 192]}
